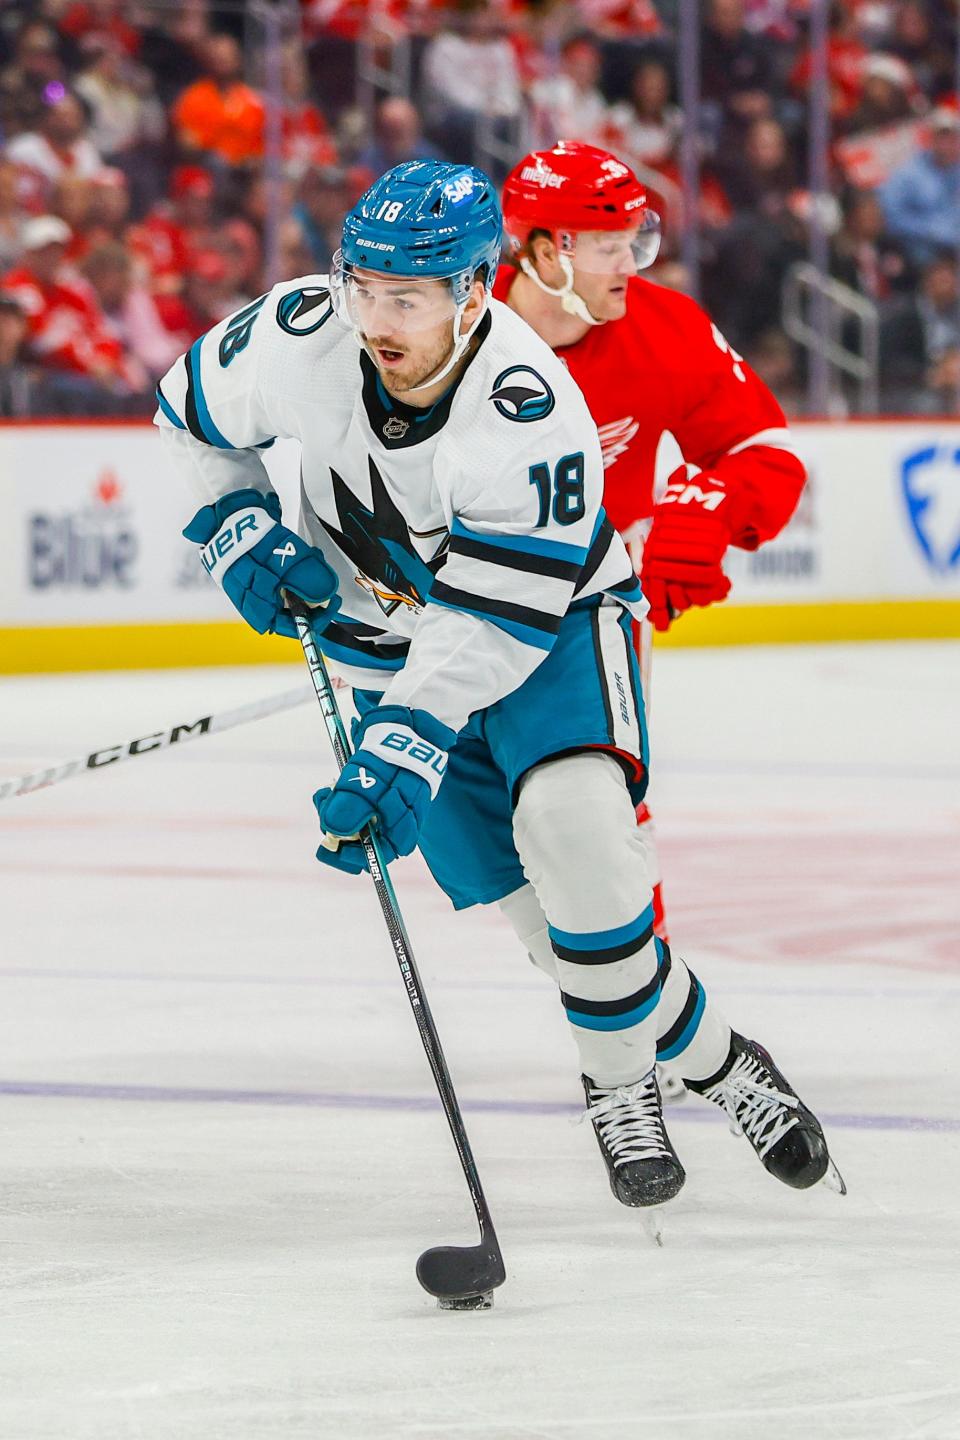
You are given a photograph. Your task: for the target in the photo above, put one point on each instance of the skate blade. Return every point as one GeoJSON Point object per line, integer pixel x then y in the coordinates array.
{"type": "Point", "coordinates": [466, 1302]}
{"type": "Point", "coordinates": [833, 1180]}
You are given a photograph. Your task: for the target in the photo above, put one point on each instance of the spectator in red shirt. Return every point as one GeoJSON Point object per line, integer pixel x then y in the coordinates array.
{"type": "Point", "coordinates": [176, 227]}
{"type": "Point", "coordinates": [207, 297]}
{"type": "Point", "coordinates": [846, 54]}
{"type": "Point", "coordinates": [88, 19]}
{"type": "Point", "coordinates": [66, 329]}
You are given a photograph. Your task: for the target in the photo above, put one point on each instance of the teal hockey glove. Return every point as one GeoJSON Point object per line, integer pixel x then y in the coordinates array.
{"type": "Point", "coordinates": [388, 783]}
{"type": "Point", "coordinates": [253, 558]}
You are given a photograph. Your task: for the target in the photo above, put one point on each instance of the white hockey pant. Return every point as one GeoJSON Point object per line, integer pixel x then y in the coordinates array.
{"type": "Point", "coordinates": [576, 835]}
{"type": "Point", "coordinates": [586, 919]}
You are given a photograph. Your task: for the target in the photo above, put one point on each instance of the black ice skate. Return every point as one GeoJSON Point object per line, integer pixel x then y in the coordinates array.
{"type": "Point", "coordinates": [762, 1105]}
{"type": "Point", "coordinates": [628, 1123]}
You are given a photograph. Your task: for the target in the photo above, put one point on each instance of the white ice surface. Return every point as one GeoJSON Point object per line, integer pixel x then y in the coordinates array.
{"type": "Point", "coordinates": [238, 1265]}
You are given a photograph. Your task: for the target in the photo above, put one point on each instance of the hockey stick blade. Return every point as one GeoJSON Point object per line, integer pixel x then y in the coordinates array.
{"type": "Point", "coordinates": [461, 1272]}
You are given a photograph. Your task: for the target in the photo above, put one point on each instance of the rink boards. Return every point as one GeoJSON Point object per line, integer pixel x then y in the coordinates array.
{"type": "Point", "coordinates": [94, 573]}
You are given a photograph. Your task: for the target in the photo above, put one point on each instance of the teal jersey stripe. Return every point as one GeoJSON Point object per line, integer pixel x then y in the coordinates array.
{"type": "Point", "coordinates": [528, 544]}
{"type": "Point", "coordinates": [616, 1022]}
{"type": "Point", "coordinates": [359, 659]}
{"type": "Point", "coordinates": [168, 410]}
{"type": "Point", "coordinates": [209, 429]}
{"type": "Point", "coordinates": [603, 939]}
{"type": "Point", "coordinates": [688, 1032]}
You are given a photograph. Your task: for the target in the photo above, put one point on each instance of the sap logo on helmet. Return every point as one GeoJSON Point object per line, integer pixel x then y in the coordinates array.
{"type": "Point", "coordinates": [459, 189]}
{"type": "Point", "coordinates": [930, 479]}
{"type": "Point", "coordinates": [540, 175]}
{"type": "Point", "coordinates": [521, 394]}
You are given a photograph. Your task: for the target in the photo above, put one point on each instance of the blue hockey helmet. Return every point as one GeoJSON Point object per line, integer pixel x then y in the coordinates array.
{"type": "Point", "coordinates": [427, 219]}
{"type": "Point", "coordinates": [421, 221]}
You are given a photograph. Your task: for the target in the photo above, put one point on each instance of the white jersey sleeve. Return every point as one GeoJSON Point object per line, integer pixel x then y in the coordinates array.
{"type": "Point", "coordinates": [221, 403]}
{"type": "Point", "coordinates": [526, 514]}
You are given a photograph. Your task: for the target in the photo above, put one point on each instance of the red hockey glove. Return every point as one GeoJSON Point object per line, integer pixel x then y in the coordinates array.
{"type": "Point", "coordinates": [683, 554]}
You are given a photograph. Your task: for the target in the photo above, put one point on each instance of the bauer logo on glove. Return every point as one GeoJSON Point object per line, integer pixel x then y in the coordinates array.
{"type": "Point", "coordinates": [253, 525]}
{"type": "Point", "coordinates": [250, 555]}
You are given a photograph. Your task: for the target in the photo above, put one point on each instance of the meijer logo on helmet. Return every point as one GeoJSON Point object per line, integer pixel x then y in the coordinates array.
{"type": "Point", "coordinates": [546, 179]}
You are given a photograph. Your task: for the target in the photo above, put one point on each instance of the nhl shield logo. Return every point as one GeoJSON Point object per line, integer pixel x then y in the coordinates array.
{"type": "Point", "coordinates": [395, 428]}
{"type": "Point", "coordinates": [521, 394]}
{"type": "Point", "coordinates": [931, 488]}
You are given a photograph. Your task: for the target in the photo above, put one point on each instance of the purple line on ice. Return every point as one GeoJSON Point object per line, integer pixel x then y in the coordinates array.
{"type": "Point", "coordinates": [338, 1100]}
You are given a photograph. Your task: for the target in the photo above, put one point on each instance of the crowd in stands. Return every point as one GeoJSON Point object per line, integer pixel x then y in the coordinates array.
{"type": "Point", "coordinates": [149, 184]}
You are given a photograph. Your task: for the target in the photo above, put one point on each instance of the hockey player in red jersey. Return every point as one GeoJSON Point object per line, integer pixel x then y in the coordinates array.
{"type": "Point", "coordinates": [648, 360]}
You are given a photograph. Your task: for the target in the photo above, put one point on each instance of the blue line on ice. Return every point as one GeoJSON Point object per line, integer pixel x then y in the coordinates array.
{"type": "Point", "coordinates": [335, 1100]}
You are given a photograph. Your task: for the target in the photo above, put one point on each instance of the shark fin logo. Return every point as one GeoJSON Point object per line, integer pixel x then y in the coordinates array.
{"type": "Point", "coordinates": [378, 542]}
{"type": "Point", "coordinates": [521, 394]}
{"type": "Point", "coordinates": [931, 487]}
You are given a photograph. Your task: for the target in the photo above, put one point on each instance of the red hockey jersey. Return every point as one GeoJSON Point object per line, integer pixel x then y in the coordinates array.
{"type": "Point", "coordinates": [666, 367]}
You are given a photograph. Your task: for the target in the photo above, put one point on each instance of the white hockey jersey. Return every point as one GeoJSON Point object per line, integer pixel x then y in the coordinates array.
{"type": "Point", "coordinates": [460, 535]}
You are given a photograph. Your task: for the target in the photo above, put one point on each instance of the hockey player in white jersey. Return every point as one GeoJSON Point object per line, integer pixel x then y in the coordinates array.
{"type": "Point", "coordinates": [469, 587]}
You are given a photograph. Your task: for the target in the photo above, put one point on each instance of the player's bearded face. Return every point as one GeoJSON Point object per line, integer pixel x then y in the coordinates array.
{"type": "Point", "coordinates": [407, 326]}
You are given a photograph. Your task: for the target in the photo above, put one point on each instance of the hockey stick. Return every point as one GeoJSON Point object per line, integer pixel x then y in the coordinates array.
{"type": "Point", "coordinates": [460, 1276]}
{"type": "Point", "coordinates": [150, 744]}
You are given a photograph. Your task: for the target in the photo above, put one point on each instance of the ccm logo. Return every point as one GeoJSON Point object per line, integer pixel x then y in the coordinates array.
{"type": "Point", "coordinates": [226, 540]}
{"type": "Point", "coordinates": [683, 493]}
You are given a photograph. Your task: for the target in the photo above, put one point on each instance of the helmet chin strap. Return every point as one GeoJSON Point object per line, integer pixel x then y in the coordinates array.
{"type": "Point", "coordinates": [460, 343]}
{"type": "Point", "coordinates": [570, 301]}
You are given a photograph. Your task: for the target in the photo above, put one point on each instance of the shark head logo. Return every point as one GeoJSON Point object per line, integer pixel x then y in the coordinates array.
{"type": "Point", "coordinates": [521, 394]}
{"type": "Point", "coordinates": [378, 542]}
{"type": "Point", "coordinates": [931, 489]}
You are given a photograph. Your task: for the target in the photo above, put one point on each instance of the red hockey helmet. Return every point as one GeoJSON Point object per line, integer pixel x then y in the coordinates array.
{"type": "Point", "coordinates": [594, 207]}
{"type": "Point", "coordinates": [575, 187]}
